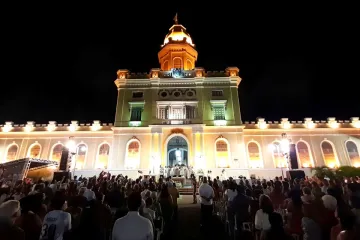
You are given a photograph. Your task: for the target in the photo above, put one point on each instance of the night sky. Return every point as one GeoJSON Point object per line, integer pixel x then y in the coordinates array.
{"type": "Point", "coordinates": [59, 62]}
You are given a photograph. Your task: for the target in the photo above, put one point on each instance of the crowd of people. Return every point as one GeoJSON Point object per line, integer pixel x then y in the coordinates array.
{"type": "Point", "coordinates": [116, 207]}
{"type": "Point", "coordinates": [309, 209]}
{"type": "Point", "coordinates": [103, 207]}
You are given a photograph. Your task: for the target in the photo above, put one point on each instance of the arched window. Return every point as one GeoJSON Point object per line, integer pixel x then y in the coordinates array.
{"type": "Point", "coordinates": [56, 152]}
{"type": "Point", "coordinates": [329, 154]}
{"type": "Point", "coordinates": [254, 155]}
{"type": "Point", "coordinates": [279, 159]}
{"type": "Point", "coordinates": [222, 153]}
{"type": "Point", "coordinates": [80, 156]}
{"type": "Point", "coordinates": [34, 151]}
{"type": "Point", "coordinates": [353, 153]}
{"type": "Point", "coordinates": [132, 158]}
{"type": "Point", "coordinates": [177, 62]}
{"type": "Point", "coordinates": [11, 153]}
{"type": "Point", "coordinates": [304, 155]}
{"type": "Point", "coordinates": [103, 156]}
{"type": "Point", "coordinates": [166, 66]}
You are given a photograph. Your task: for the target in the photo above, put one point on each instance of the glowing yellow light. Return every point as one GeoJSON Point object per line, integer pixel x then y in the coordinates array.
{"type": "Point", "coordinates": [178, 36]}
{"type": "Point", "coordinates": [51, 126]}
{"type": "Point", "coordinates": [7, 127]}
{"type": "Point", "coordinates": [331, 165]}
{"type": "Point", "coordinates": [305, 165]}
{"type": "Point", "coordinates": [357, 164]}
{"type": "Point", "coordinates": [261, 123]}
{"type": "Point", "coordinates": [334, 125]}
{"type": "Point", "coordinates": [309, 123]}
{"type": "Point", "coordinates": [95, 126]}
{"type": "Point", "coordinates": [73, 126]}
{"type": "Point", "coordinates": [355, 122]}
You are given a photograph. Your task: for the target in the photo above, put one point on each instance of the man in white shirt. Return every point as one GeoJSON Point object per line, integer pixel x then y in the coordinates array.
{"type": "Point", "coordinates": [206, 193]}
{"type": "Point", "coordinates": [133, 226]}
{"type": "Point", "coordinates": [89, 194]}
{"type": "Point", "coordinates": [56, 222]}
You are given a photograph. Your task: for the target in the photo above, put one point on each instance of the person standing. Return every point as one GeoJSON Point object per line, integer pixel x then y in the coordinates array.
{"type": "Point", "coordinates": [206, 193]}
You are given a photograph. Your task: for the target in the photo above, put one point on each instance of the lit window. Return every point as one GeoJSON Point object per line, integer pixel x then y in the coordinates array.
{"type": "Point", "coordinates": [136, 114]}
{"type": "Point", "coordinates": [219, 112]}
{"type": "Point", "coordinates": [177, 63]}
{"type": "Point", "coordinates": [136, 109]}
{"type": "Point", "coordinates": [12, 152]}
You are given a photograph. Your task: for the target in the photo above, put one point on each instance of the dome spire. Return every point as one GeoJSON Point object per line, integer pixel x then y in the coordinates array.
{"type": "Point", "coordinates": [176, 19]}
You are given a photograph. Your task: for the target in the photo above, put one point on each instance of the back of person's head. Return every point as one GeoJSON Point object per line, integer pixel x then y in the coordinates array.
{"type": "Point", "coordinates": [330, 202]}
{"type": "Point", "coordinates": [58, 201]}
{"type": "Point", "coordinates": [265, 204]}
{"type": "Point", "coordinates": [148, 202]}
{"type": "Point", "coordinates": [348, 221]}
{"type": "Point", "coordinates": [204, 180]}
{"type": "Point", "coordinates": [295, 196]}
{"type": "Point", "coordinates": [10, 209]}
{"type": "Point", "coordinates": [306, 191]}
{"type": "Point", "coordinates": [275, 220]}
{"type": "Point", "coordinates": [239, 188]}
{"type": "Point", "coordinates": [134, 201]}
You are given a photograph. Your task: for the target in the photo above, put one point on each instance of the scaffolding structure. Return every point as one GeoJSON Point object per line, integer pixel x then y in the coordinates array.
{"type": "Point", "coordinates": [19, 169]}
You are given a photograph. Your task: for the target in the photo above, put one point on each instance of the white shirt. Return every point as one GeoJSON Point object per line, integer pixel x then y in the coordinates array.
{"type": "Point", "coordinates": [133, 227]}
{"type": "Point", "coordinates": [206, 191]}
{"type": "Point", "coordinates": [262, 220]}
{"type": "Point", "coordinates": [56, 222]}
{"type": "Point", "coordinates": [89, 194]}
{"type": "Point", "coordinates": [230, 194]}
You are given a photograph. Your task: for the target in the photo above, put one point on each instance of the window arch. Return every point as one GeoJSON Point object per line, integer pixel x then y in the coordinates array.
{"type": "Point", "coordinates": [11, 152]}
{"type": "Point", "coordinates": [177, 62]}
{"type": "Point", "coordinates": [279, 160]}
{"type": "Point", "coordinates": [165, 66]}
{"type": "Point", "coordinates": [80, 156]}
{"type": "Point", "coordinates": [304, 155]}
{"type": "Point", "coordinates": [329, 154]}
{"type": "Point", "coordinates": [34, 150]}
{"type": "Point", "coordinates": [222, 152]}
{"type": "Point", "coordinates": [353, 153]}
{"type": "Point", "coordinates": [56, 152]}
{"type": "Point", "coordinates": [132, 157]}
{"type": "Point", "coordinates": [102, 157]}
{"type": "Point", "coordinates": [254, 155]}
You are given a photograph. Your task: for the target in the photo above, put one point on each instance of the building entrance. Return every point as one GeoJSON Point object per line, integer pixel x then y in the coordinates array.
{"type": "Point", "coordinates": [177, 151]}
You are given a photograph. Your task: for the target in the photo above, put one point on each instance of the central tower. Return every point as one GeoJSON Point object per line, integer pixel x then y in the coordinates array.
{"type": "Point", "coordinates": [178, 50]}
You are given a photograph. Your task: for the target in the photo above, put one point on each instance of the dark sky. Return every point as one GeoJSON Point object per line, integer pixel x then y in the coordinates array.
{"type": "Point", "coordinates": [59, 62]}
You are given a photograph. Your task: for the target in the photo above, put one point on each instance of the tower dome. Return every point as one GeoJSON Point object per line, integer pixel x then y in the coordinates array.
{"type": "Point", "coordinates": [178, 50]}
{"type": "Point", "coordinates": [177, 33]}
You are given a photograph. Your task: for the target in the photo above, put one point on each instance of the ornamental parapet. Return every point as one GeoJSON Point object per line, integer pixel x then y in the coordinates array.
{"type": "Point", "coordinates": [307, 123]}
{"type": "Point", "coordinates": [155, 73]}
{"type": "Point", "coordinates": [52, 126]}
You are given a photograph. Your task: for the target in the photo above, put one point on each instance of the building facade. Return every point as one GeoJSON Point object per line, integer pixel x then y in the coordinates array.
{"type": "Point", "coordinates": [181, 114]}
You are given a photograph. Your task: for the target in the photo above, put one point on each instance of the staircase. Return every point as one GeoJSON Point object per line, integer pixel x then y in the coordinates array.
{"type": "Point", "coordinates": [187, 189]}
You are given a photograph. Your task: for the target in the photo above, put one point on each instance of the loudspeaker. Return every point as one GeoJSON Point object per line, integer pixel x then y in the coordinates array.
{"type": "Point", "coordinates": [293, 174]}
{"type": "Point", "coordinates": [293, 157]}
{"type": "Point", "coordinates": [58, 176]}
{"type": "Point", "coordinates": [63, 166]}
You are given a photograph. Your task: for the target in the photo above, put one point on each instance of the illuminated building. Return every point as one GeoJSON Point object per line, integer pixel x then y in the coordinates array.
{"type": "Point", "coordinates": [181, 114]}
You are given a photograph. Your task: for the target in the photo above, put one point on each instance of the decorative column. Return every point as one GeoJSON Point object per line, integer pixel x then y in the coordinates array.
{"type": "Point", "coordinates": [198, 155]}
{"type": "Point", "coordinates": [155, 160]}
